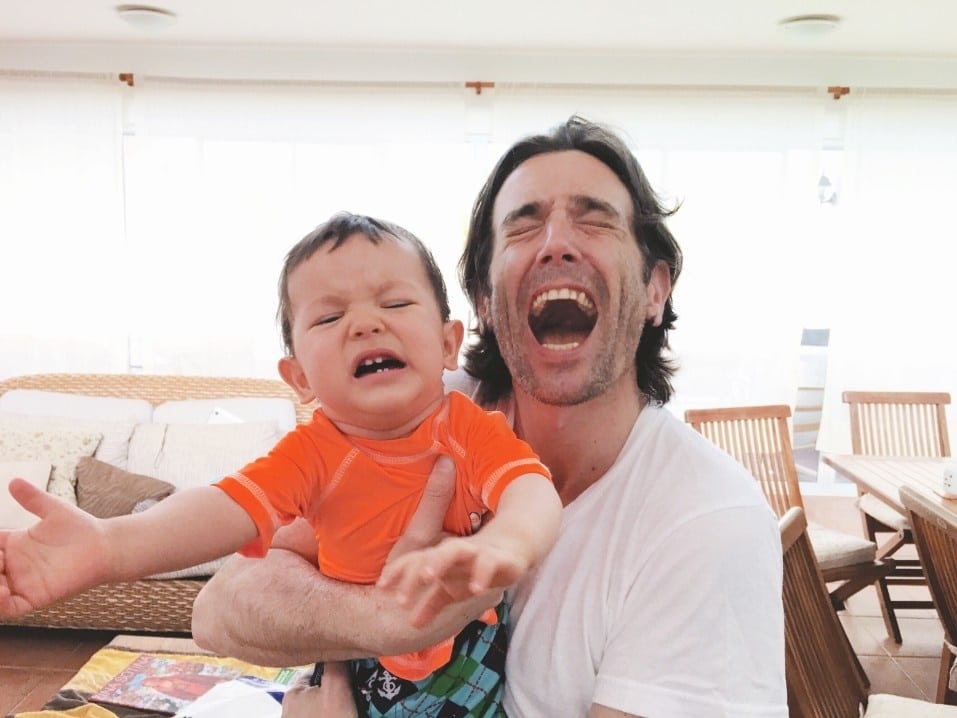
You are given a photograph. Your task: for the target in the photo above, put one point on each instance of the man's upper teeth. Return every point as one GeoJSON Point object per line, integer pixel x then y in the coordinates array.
{"type": "Point", "coordinates": [370, 362]}
{"type": "Point", "coordinates": [564, 293]}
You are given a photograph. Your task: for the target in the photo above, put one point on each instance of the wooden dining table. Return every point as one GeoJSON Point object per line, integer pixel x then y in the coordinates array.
{"type": "Point", "coordinates": [883, 476]}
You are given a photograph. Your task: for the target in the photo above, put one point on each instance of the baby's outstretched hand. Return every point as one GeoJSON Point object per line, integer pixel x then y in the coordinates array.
{"type": "Point", "coordinates": [428, 580]}
{"type": "Point", "coordinates": [58, 556]}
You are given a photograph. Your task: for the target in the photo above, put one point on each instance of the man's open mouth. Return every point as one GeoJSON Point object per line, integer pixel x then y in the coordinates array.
{"type": "Point", "coordinates": [377, 365]}
{"type": "Point", "coordinates": [561, 319]}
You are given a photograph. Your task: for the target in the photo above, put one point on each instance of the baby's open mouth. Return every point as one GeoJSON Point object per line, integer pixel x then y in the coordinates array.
{"type": "Point", "coordinates": [376, 365]}
{"type": "Point", "coordinates": [561, 319]}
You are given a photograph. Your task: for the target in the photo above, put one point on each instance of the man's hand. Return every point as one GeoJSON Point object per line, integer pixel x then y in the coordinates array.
{"type": "Point", "coordinates": [332, 699]}
{"type": "Point", "coordinates": [425, 528]}
{"type": "Point", "coordinates": [426, 577]}
{"type": "Point", "coordinates": [64, 553]}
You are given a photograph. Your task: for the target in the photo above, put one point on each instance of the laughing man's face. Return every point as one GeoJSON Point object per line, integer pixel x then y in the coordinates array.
{"type": "Point", "coordinates": [567, 303]}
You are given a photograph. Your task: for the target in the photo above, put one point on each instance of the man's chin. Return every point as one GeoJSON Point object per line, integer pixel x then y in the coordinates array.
{"type": "Point", "coordinates": [561, 391]}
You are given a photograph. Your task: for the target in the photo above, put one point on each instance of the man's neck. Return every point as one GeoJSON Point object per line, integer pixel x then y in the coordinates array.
{"type": "Point", "coordinates": [579, 443]}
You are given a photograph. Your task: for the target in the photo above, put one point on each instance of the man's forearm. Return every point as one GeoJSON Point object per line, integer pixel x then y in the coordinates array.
{"type": "Point", "coordinates": [280, 611]}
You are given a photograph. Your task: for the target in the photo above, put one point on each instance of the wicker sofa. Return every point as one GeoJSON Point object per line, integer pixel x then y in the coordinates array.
{"type": "Point", "coordinates": [151, 605]}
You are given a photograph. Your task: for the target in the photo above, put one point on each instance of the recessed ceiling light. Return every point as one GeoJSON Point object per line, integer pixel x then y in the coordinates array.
{"type": "Point", "coordinates": [809, 25]}
{"type": "Point", "coordinates": [144, 17]}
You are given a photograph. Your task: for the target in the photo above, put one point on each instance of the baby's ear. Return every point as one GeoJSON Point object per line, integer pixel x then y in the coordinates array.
{"type": "Point", "coordinates": [291, 372]}
{"type": "Point", "coordinates": [453, 334]}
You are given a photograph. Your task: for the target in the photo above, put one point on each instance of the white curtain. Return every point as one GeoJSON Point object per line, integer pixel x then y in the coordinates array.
{"type": "Point", "coordinates": [143, 228]}
{"type": "Point", "coordinates": [891, 254]}
{"type": "Point", "coordinates": [63, 285]}
{"type": "Point", "coordinates": [223, 179]}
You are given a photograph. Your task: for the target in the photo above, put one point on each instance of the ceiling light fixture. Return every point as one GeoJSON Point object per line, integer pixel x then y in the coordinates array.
{"type": "Point", "coordinates": [144, 17]}
{"type": "Point", "coordinates": [809, 26]}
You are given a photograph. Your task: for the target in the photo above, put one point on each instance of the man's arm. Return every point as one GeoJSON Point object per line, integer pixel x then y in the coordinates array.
{"type": "Point", "coordinates": [281, 611]}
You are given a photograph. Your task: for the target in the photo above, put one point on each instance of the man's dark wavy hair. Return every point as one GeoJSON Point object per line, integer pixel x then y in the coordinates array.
{"type": "Point", "coordinates": [483, 359]}
{"type": "Point", "coordinates": [335, 231]}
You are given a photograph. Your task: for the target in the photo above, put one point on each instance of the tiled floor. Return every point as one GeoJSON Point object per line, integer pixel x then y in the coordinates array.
{"type": "Point", "coordinates": [909, 669]}
{"type": "Point", "coordinates": [35, 663]}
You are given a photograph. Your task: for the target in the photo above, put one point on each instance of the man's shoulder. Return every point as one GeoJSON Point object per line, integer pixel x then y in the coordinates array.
{"type": "Point", "coordinates": [669, 449]}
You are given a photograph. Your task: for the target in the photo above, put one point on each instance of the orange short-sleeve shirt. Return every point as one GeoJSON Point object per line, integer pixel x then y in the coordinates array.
{"type": "Point", "coordinates": [359, 494]}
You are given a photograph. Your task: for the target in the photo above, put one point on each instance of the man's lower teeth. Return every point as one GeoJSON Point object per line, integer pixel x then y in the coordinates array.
{"type": "Point", "coordinates": [561, 347]}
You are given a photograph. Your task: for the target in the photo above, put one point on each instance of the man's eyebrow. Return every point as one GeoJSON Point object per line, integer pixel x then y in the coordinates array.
{"type": "Point", "coordinates": [585, 203]}
{"type": "Point", "coordinates": [529, 209]}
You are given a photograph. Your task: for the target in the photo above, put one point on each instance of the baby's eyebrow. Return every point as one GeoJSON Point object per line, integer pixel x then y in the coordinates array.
{"type": "Point", "coordinates": [389, 285]}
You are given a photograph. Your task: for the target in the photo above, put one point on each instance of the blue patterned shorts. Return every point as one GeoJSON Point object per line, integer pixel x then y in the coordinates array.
{"type": "Point", "coordinates": [470, 685]}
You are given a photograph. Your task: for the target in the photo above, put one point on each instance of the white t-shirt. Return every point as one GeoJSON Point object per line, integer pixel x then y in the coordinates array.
{"type": "Point", "coordinates": [662, 595]}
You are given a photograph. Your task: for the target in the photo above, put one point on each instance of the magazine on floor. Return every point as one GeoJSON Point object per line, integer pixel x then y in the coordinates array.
{"type": "Point", "coordinates": [162, 684]}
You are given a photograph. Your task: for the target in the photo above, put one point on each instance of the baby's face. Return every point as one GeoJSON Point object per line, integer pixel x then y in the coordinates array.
{"type": "Point", "coordinates": [368, 337]}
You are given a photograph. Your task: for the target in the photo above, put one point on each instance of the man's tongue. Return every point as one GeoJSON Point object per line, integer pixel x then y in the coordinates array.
{"type": "Point", "coordinates": [561, 326]}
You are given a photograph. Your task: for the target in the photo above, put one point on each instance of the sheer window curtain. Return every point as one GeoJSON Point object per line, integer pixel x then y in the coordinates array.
{"type": "Point", "coordinates": [63, 279]}
{"type": "Point", "coordinates": [223, 179]}
{"type": "Point", "coordinates": [143, 228]}
{"type": "Point", "coordinates": [892, 244]}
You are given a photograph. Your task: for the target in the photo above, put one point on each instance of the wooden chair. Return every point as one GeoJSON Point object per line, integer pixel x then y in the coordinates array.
{"type": "Point", "coordinates": [820, 668]}
{"type": "Point", "coordinates": [935, 535]}
{"type": "Point", "coordinates": [889, 423]}
{"type": "Point", "coordinates": [758, 437]}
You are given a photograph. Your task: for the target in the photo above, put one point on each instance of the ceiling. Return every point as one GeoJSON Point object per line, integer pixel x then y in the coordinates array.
{"type": "Point", "coordinates": [885, 28]}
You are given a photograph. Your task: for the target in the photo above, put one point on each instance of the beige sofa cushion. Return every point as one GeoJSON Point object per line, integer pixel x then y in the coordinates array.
{"type": "Point", "coordinates": [189, 455]}
{"type": "Point", "coordinates": [112, 449]}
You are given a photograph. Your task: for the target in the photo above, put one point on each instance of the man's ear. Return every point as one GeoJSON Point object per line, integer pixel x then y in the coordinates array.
{"type": "Point", "coordinates": [291, 372]}
{"type": "Point", "coordinates": [658, 290]}
{"type": "Point", "coordinates": [453, 334]}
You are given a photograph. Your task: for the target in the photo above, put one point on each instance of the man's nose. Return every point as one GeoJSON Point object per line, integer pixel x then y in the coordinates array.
{"type": "Point", "coordinates": [561, 243]}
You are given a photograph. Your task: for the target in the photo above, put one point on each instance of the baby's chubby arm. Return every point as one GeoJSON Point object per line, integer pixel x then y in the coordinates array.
{"type": "Point", "coordinates": [68, 550]}
{"type": "Point", "coordinates": [519, 535]}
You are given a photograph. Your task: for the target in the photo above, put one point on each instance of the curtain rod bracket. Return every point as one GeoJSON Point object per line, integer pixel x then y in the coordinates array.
{"type": "Point", "coordinates": [479, 86]}
{"type": "Point", "coordinates": [838, 91]}
{"type": "Point", "coordinates": [127, 77]}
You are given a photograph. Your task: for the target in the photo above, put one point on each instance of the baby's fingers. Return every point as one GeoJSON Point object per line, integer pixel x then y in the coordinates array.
{"type": "Point", "coordinates": [405, 577]}
{"type": "Point", "coordinates": [493, 572]}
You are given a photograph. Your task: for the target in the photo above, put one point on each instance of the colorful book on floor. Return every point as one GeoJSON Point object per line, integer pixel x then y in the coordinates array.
{"type": "Point", "coordinates": [162, 684]}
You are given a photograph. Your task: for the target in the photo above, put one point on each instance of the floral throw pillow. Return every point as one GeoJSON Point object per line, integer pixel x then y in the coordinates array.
{"type": "Point", "coordinates": [63, 449]}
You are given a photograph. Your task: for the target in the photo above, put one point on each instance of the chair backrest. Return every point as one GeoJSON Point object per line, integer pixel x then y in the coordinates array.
{"type": "Point", "coordinates": [822, 677]}
{"type": "Point", "coordinates": [758, 437]}
{"type": "Point", "coordinates": [935, 535]}
{"type": "Point", "coordinates": [898, 423]}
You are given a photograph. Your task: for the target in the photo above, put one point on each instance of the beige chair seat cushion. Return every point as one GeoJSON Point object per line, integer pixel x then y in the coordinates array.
{"type": "Point", "coordinates": [834, 549]}
{"type": "Point", "coordinates": [874, 507]}
{"type": "Point", "coordinates": [882, 705]}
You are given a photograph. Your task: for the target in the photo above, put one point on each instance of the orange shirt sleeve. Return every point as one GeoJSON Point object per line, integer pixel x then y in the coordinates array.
{"type": "Point", "coordinates": [276, 488]}
{"type": "Point", "coordinates": [494, 454]}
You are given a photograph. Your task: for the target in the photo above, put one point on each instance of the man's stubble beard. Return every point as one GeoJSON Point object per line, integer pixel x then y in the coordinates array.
{"type": "Point", "coordinates": [606, 369]}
